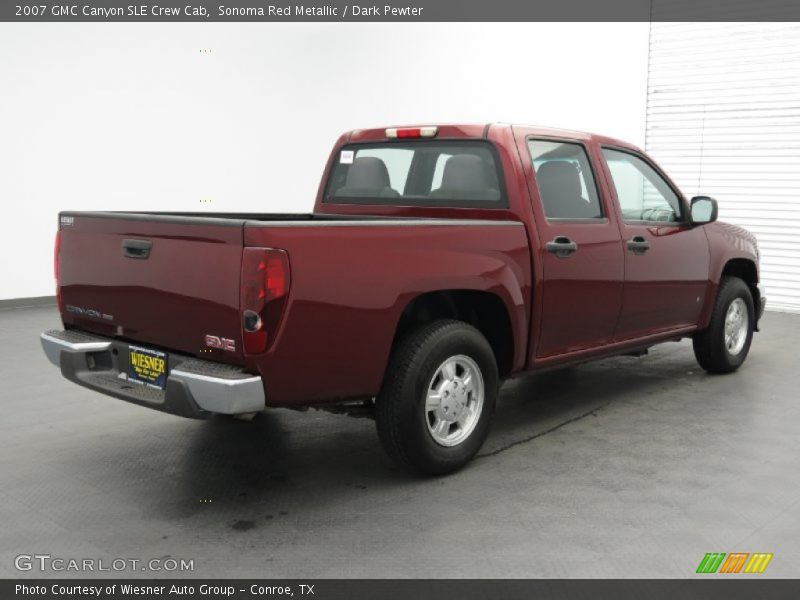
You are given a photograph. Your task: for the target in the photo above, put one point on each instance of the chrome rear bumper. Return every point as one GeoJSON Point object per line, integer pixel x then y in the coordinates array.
{"type": "Point", "coordinates": [194, 388]}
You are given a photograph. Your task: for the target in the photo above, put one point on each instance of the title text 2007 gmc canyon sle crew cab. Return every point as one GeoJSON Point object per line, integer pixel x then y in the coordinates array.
{"type": "Point", "coordinates": [438, 260]}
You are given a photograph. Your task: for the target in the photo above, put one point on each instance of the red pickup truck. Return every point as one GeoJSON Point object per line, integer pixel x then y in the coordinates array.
{"type": "Point", "coordinates": [438, 261]}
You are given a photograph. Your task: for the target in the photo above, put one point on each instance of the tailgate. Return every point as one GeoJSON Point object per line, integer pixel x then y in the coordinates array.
{"type": "Point", "coordinates": [160, 280]}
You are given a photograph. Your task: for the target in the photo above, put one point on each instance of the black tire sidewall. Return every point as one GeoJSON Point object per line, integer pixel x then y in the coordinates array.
{"type": "Point", "coordinates": [423, 450]}
{"type": "Point", "coordinates": [735, 288]}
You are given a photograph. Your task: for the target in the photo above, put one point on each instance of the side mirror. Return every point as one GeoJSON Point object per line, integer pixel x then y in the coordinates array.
{"type": "Point", "coordinates": [703, 210]}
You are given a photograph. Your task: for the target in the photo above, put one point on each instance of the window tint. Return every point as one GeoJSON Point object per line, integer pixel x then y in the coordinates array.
{"type": "Point", "coordinates": [438, 170]}
{"type": "Point", "coordinates": [565, 181]}
{"type": "Point", "coordinates": [643, 194]}
{"type": "Point", "coordinates": [423, 173]}
{"type": "Point", "coordinates": [397, 161]}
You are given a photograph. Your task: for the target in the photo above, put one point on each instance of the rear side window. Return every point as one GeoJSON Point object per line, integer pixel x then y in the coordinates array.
{"type": "Point", "coordinates": [418, 173]}
{"type": "Point", "coordinates": [565, 180]}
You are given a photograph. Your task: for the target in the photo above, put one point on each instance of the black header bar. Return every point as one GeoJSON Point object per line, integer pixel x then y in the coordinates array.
{"type": "Point", "coordinates": [208, 11]}
{"type": "Point", "coordinates": [708, 588]}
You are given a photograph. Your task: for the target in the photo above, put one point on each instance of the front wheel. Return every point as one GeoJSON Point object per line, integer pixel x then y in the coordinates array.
{"type": "Point", "coordinates": [438, 396]}
{"type": "Point", "coordinates": [724, 344]}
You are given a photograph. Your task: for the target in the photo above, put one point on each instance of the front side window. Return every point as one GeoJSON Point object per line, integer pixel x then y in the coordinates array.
{"type": "Point", "coordinates": [643, 194]}
{"type": "Point", "coordinates": [418, 173]}
{"type": "Point", "coordinates": [565, 180]}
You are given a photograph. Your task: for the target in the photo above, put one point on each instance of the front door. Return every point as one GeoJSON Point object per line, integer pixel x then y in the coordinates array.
{"type": "Point", "coordinates": [580, 251]}
{"type": "Point", "coordinates": [666, 259]}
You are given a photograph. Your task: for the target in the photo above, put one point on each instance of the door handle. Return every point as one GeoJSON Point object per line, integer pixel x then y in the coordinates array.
{"type": "Point", "coordinates": [137, 248]}
{"type": "Point", "coordinates": [638, 245]}
{"type": "Point", "coordinates": [562, 247]}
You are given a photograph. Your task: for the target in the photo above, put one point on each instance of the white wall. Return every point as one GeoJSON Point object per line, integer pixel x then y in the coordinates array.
{"type": "Point", "coordinates": [135, 116]}
{"type": "Point", "coordinates": [724, 120]}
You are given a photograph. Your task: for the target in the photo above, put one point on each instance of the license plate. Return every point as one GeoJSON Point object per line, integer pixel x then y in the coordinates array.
{"type": "Point", "coordinates": [148, 367]}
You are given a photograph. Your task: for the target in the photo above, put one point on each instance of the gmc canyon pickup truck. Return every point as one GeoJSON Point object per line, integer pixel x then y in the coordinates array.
{"type": "Point", "coordinates": [438, 261]}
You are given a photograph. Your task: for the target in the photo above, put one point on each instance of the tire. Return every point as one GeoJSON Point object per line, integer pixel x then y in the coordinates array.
{"type": "Point", "coordinates": [453, 361]}
{"type": "Point", "coordinates": [716, 351]}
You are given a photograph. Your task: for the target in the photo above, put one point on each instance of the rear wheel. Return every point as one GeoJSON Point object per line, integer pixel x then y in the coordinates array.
{"type": "Point", "coordinates": [438, 396]}
{"type": "Point", "coordinates": [723, 346]}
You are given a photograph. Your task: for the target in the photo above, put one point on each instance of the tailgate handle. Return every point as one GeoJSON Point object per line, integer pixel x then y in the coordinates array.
{"type": "Point", "coordinates": [137, 248]}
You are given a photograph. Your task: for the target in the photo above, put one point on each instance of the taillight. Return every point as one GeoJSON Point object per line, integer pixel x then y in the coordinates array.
{"type": "Point", "coordinates": [264, 289]}
{"type": "Point", "coordinates": [57, 267]}
{"type": "Point", "coordinates": [411, 132]}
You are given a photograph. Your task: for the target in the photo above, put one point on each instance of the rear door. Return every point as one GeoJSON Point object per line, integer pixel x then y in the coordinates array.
{"type": "Point", "coordinates": [582, 275]}
{"type": "Point", "coordinates": [161, 281]}
{"type": "Point", "coordinates": [666, 259]}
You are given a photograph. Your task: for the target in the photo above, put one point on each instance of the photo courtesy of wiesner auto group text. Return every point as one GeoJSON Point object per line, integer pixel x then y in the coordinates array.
{"type": "Point", "coordinates": [421, 299]}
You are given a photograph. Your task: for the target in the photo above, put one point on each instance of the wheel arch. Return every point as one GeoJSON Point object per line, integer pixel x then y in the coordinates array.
{"type": "Point", "coordinates": [746, 270]}
{"type": "Point", "coordinates": [742, 268]}
{"type": "Point", "coordinates": [484, 310]}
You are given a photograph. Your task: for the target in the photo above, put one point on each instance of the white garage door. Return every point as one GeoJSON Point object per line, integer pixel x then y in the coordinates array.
{"type": "Point", "coordinates": [723, 119]}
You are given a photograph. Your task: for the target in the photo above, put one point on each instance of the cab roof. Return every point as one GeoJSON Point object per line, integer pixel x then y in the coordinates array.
{"type": "Point", "coordinates": [475, 130]}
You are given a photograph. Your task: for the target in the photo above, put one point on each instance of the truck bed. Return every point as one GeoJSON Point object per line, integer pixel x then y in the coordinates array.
{"type": "Point", "coordinates": [351, 278]}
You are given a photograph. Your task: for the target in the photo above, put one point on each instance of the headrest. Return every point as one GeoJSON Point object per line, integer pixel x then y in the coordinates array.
{"type": "Point", "coordinates": [367, 172]}
{"type": "Point", "coordinates": [465, 172]}
{"type": "Point", "coordinates": [558, 179]}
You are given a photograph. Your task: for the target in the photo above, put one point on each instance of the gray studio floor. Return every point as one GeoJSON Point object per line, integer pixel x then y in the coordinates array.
{"type": "Point", "coordinates": [621, 468]}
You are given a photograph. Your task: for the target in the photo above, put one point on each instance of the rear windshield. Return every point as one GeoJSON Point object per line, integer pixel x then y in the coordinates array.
{"type": "Point", "coordinates": [418, 173]}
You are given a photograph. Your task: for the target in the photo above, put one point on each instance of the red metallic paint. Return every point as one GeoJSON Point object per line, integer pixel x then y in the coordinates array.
{"type": "Point", "coordinates": [346, 298]}
{"type": "Point", "coordinates": [350, 282]}
{"type": "Point", "coordinates": [580, 296]}
{"type": "Point", "coordinates": [664, 287]}
{"type": "Point", "coordinates": [727, 243]}
{"type": "Point", "coordinates": [186, 289]}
